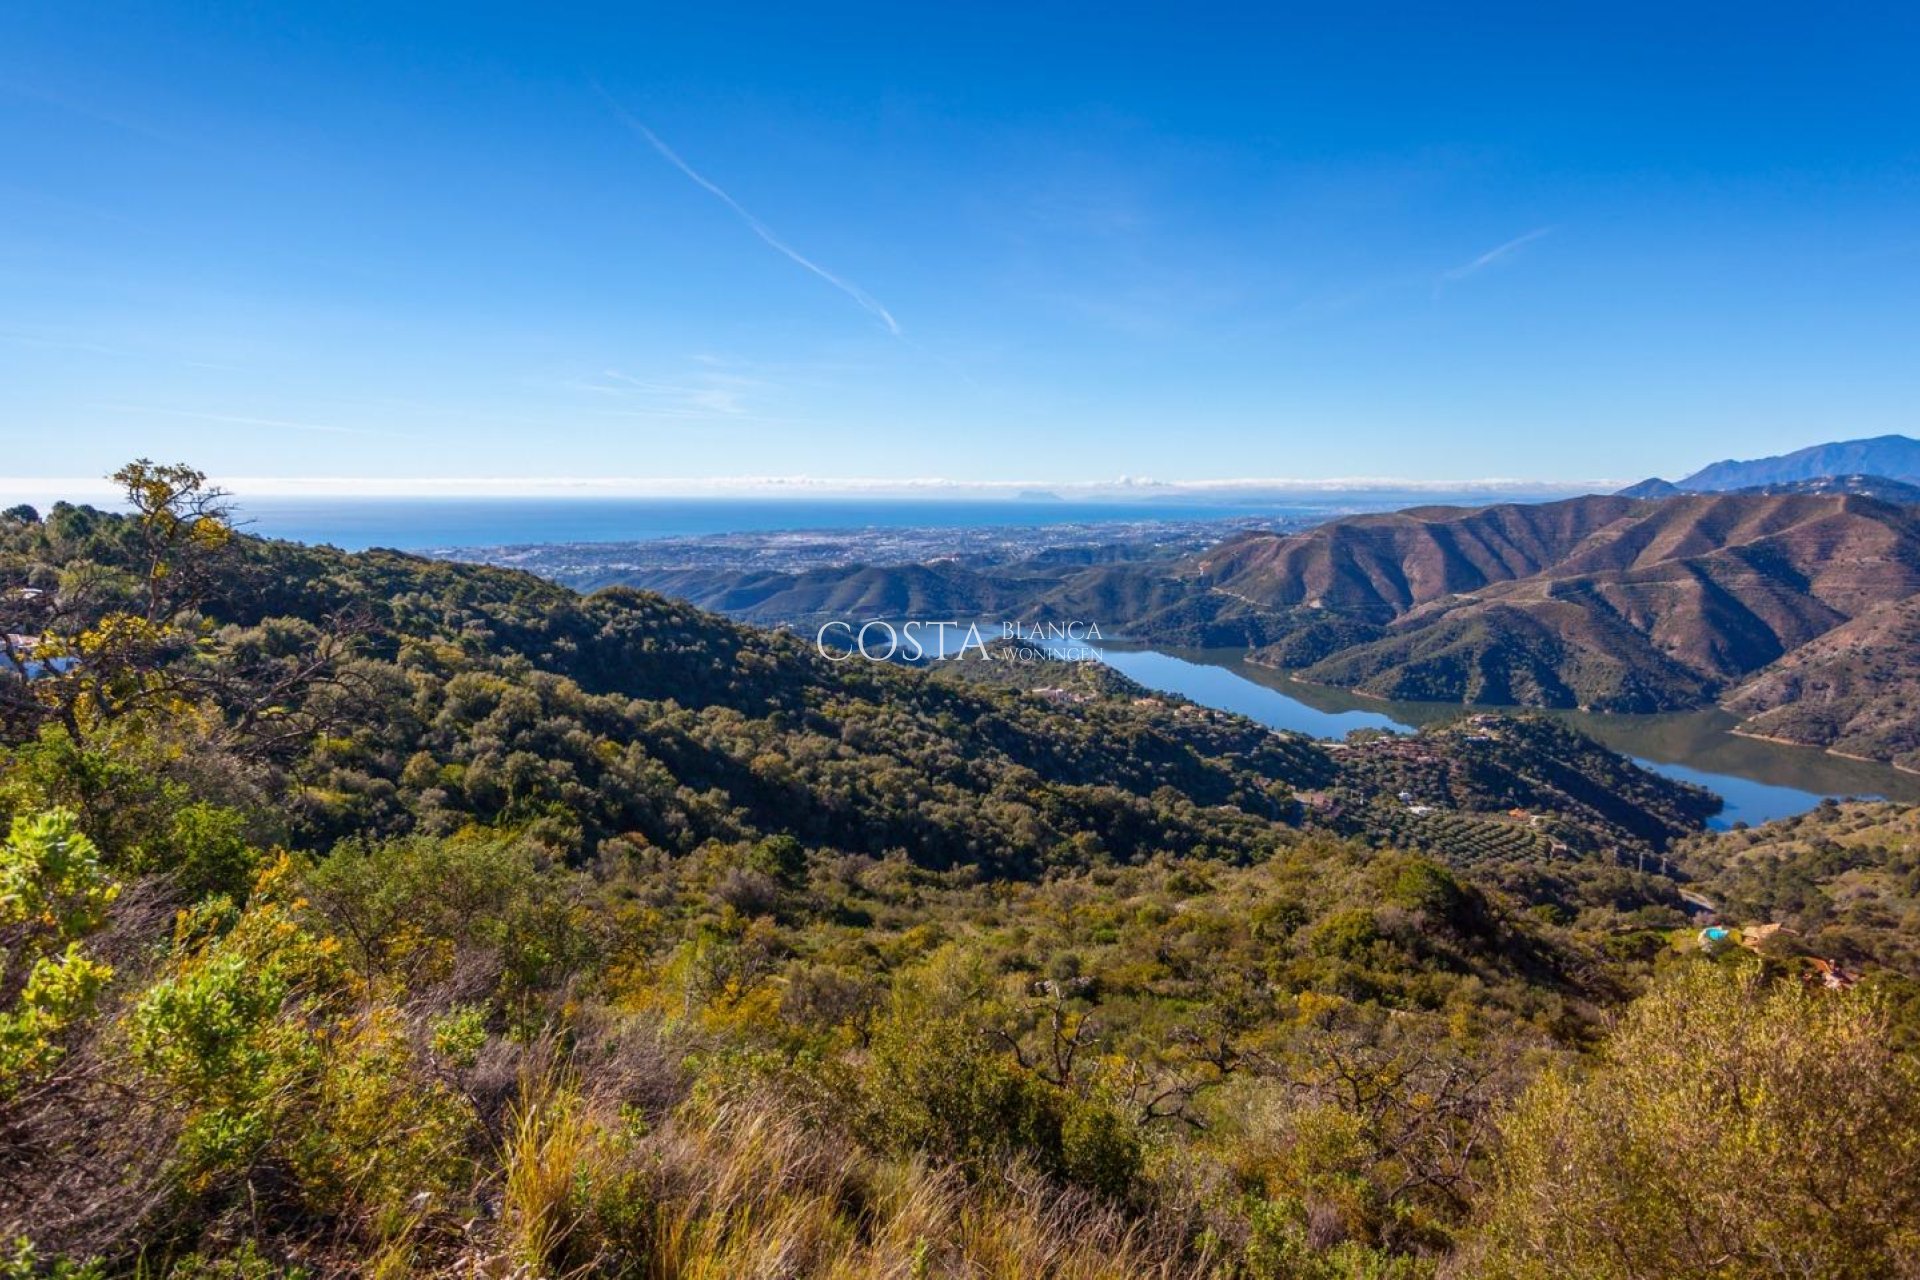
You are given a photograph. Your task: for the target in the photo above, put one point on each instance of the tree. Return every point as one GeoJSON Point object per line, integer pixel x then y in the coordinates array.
{"type": "Point", "coordinates": [182, 525]}
{"type": "Point", "coordinates": [106, 629]}
{"type": "Point", "coordinates": [1731, 1127]}
{"type": "Point", "coordinates": [125, 630]}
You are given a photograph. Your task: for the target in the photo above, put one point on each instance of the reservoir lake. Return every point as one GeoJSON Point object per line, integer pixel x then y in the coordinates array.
{"type": "Point", "coordinates": [1758, 781]}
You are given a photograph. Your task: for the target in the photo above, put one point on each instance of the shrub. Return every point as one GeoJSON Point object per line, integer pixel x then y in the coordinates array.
{"type": "Point", "coordinates": [1100, 1147]}
{"type": "Point", "coordinates": [53, 893]}
{"type": "Point", "coordinates": [458, 1035]}
{"type": "Point", "coordinates": [780, 857]}
{"type": "Point", "coordinates": [211, 1032]}
{"type": "Point", "coordinates": [23, 1262]}
{"type": "Point", "coordinates": [257, 1038]}
{"type": "Point", "coordinates": [941, 1087]}
{"type": "Point", "coordinates": [1346, 935]}
{"type": "Point", "coordinates": [410, 905]}
{"type": "Point", "coordinates": [1437, 894]}
{"type": "Point", "coordinates": [1732, 1127]}
{"type": "Point", "coordinates": [207, 850]}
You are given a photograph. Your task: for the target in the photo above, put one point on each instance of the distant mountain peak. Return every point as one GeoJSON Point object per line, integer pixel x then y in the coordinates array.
{"type": "Point", "coordinates": [1895, 457]}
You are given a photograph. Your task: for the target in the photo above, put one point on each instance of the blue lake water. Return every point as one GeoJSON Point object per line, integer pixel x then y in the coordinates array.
{"type": "Point", "coordinates": [1758, 781]}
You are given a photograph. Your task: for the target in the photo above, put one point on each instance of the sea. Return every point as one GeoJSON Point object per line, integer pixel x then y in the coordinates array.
{"type": "Point", "coordinates": [426, 524]}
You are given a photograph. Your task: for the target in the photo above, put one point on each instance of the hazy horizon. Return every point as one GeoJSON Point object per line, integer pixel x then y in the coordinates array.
{"type": "Point", "coordinates": [804, 488]}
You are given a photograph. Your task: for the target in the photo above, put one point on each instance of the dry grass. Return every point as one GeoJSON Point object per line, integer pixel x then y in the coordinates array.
{"type": "Point", "coordinates": [551, 1151]}
{"type": "Point", "coordinates": [747, 1190]}
{"type": "Point", "coordinates": [751, 1195]}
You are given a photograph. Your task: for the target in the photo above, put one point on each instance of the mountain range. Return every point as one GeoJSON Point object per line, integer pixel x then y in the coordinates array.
{"type": "Point", "coordinates": [1606, 602]}
{"type": "Point", "coordinates": [1880, 460]}
{"type": "Point", "coordinates": [1791, 608]}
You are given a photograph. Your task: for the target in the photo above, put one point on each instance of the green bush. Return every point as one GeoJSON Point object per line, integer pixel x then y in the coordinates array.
{"type": "Point", "coordinates": [1347, 935]}
{"type": "Point", "coordinates": [458, 1035]}
{"type": "Point", "coordinates": [1732, 1127]}
{"type": "Point", "coordinates": [23, 1262]}
{"type": "Point", "coordinates": [207, 851]}
{"type": "Point", "coordinates": [1100, 1146]}
{"type": "Point", "coordinates": [940, 1087]}
{"type": "Point", "coordinates": [260, 1040]}
{"type": "Point", "coordinates": [944, 1088]}
{"type": "Point", "coordinates": [53, 893]}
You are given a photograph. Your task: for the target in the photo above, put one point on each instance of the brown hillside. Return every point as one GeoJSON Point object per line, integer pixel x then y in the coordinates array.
{"type": "Point", "coordinates": [1854, 690]}
{"type": "Point", "coordinates": [1383, 565]}
{"type": "Point", "coordinates": [1609, 602]}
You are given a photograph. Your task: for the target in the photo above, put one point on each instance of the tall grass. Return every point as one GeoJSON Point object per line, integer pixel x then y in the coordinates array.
{"type": "Point", "coordinates": [748, 1189]}
{"type": "Point", "coordinates": [550, 1148]}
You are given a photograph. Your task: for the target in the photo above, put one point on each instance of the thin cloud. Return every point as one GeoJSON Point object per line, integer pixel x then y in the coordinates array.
{"type": "Point", "coordinates": [58, 343]}
{"type": "Point", "coordinates": [715, 394]}
{"type": "Point", "coordinates": [85, 111]}
{"type": "Point", "coordinates": [63, 344]}
{"type": "Point", "coordinates": [1456, 274]}
{"type": "Point", "coordinates": [866, 300]}
{"type": "Point", "coordinates": [239, 420]}
{"type": "Point", "coordinates": [709, 390]}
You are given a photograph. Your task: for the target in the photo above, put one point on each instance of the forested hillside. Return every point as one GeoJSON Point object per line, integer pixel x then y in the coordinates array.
{"type": "Point", "coordinates": [1854, 690]}
{"type": "Point", "coordinates": [368, 915]}
{"type": "Point", "coordinates": [1843, 882]}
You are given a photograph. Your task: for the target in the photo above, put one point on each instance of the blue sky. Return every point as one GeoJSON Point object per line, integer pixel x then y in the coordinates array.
{"type": "Point", "coordinates": [978, 242]}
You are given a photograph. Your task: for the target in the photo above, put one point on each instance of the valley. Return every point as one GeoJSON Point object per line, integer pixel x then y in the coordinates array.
{"type": "Point", "coordinates": [1790, 610]}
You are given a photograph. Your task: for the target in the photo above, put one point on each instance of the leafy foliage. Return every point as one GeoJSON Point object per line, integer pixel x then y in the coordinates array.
{"type": "Point", "coordinates": [1732, 1127]}
{"type": "Point", "coordinates": [53, 893]}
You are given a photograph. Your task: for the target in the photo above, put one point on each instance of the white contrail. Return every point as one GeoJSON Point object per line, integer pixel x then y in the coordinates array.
{"type": "Point", "coordinates": [759, 228]}
{"type": "Point", "coordinates": [1492, 256]}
